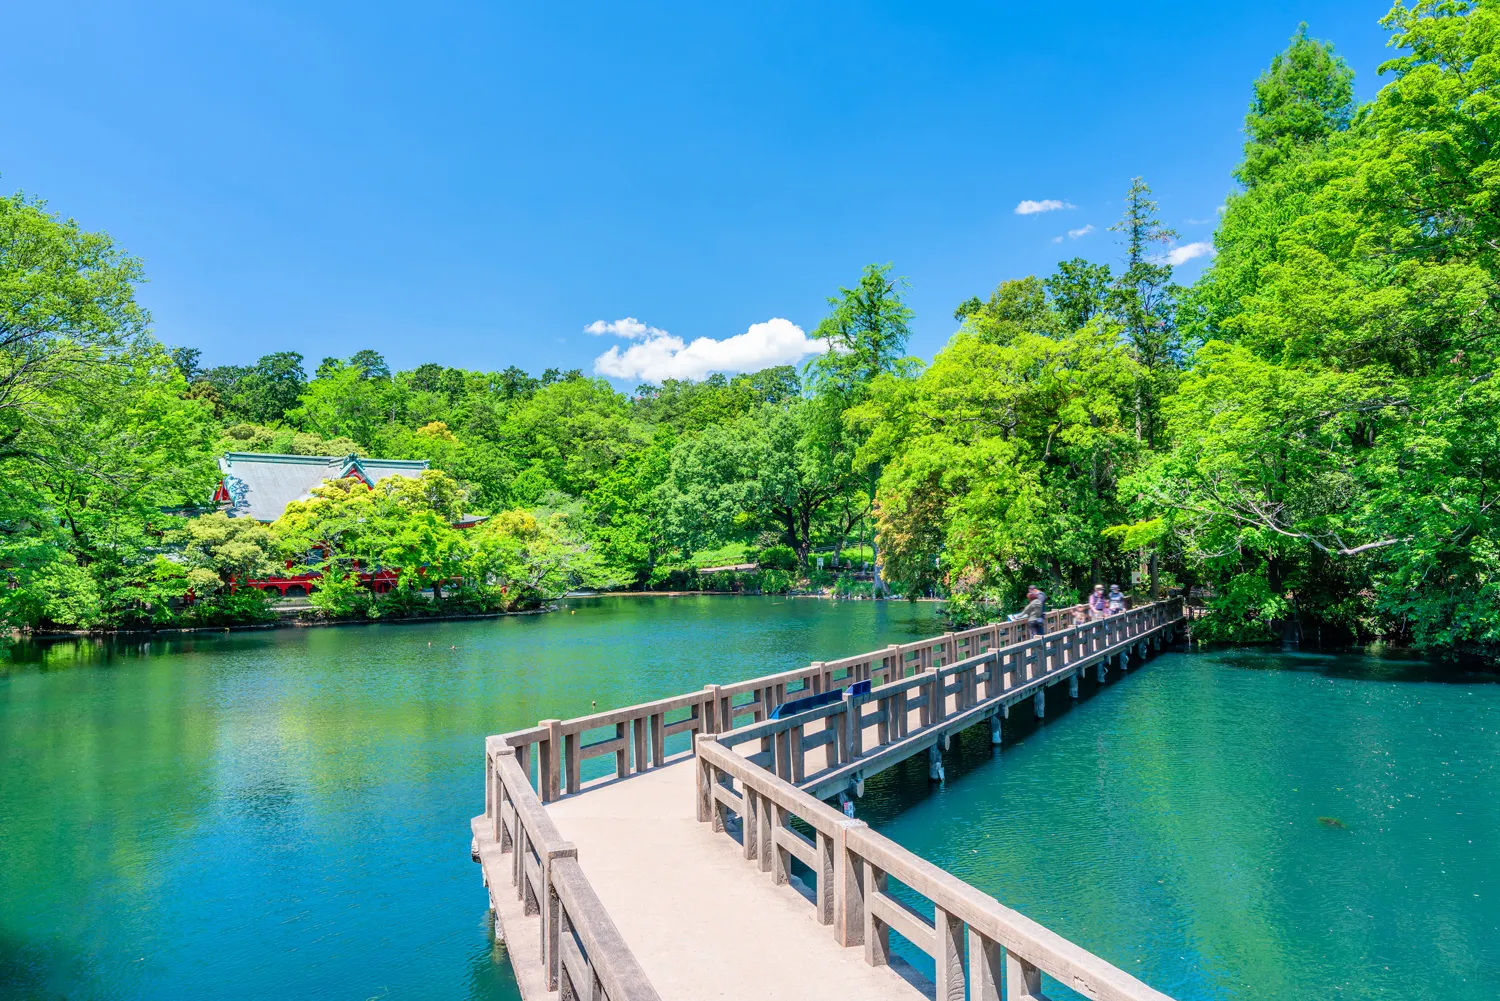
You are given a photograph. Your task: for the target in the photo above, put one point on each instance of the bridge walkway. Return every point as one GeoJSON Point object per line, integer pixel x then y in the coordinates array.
{"type": "Point", "coordinates": [651, 862]}
{"type": "Point", "coordinates": [689, 908]}
{"type": "Point", "coordinates": [642, 897]}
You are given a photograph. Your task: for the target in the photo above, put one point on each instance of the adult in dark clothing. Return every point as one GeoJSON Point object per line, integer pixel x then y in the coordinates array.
{"type": "Point", "coordinates": [1035, 611]}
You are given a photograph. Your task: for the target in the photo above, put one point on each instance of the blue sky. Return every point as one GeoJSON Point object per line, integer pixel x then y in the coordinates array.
{"type": "Point", "coordinates": [475, 184]}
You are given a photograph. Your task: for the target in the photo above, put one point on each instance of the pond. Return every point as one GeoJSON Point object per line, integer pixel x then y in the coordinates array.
{"type": "Point", "coordinates": [285, 813]}
{"type": "Point", "coordinates": [1240, 825]}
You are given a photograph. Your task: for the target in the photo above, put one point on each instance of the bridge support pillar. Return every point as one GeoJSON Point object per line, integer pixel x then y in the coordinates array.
{"type": "Point", "coordinates": [1039, 703]}
{"type": "Point", "coordinates": [934, 764]}
{"type": "Point", "coordinates": [1124, 660]}
{"type": "Point", "coordinates": [1099, 672]}
{"type": "Point", "coordinates": [1073, 687]}
{"type": "Point", "coordinates": [995, 730]}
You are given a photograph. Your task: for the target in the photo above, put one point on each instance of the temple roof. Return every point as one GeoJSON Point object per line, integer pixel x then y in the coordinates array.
{"type": "Point", "coordinates": [260, 486]}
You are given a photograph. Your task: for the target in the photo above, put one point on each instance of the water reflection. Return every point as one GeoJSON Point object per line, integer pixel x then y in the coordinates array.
{"type": "Point", "coordinates": [284, 813]}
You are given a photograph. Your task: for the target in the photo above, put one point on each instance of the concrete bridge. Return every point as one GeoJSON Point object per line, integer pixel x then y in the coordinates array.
{"type": "Point", "coordinates": [719, 871]}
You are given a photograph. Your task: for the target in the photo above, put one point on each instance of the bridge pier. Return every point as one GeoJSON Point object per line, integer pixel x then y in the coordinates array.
{"type": "Point", "coordinates": [1039, 703]}
{"type": "Point", "coordinates": [1073, 687]}
{"type": "Point", "coordinates": [995, 730]}
{"type": "Point", "coordinates": [934, 764]}
{"type": "Point", "coordinates": [1100, 671]}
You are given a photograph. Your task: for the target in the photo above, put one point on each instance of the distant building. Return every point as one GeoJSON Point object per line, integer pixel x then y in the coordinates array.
{"type": "Point", "coordinates": [260, 486]}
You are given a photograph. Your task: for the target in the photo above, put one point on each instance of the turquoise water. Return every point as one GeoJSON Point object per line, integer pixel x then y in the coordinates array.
{"type": "Point", "coordinates": [285, 814]}
{"type": "Point", "coordinates": [1241, 825]}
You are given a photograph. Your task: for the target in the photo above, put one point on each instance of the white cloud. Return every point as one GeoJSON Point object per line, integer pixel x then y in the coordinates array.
{"type": "Point", "coordinates": [1179, 256]}
{"type": "Point", "coordinates": [1074, 234]}
{"type": "Point", "coordinates": [1057, 239]}
{"type": "Point", "coordinates": [1029, 207]}
{"type": "Point", "coordinates": [659, 355]}
{"type": "Point", "coordinates": [629, 328]}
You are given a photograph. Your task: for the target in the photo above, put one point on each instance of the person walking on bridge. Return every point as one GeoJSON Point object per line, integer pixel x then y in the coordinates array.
{"type": "Point", "coordinates": [1098, 604]}
{"type": "Point", "coordinates": [1116, 600]}
{"type": "Point", "coordinates": [1035, 611]}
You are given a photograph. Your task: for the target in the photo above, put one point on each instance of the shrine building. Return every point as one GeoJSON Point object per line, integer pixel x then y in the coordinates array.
{"type": "Point", "coordinates": [260, 486]}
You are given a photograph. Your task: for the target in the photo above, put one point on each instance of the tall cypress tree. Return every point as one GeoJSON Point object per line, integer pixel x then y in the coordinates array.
{"type": "Point", "coordinates": [1144, 300]}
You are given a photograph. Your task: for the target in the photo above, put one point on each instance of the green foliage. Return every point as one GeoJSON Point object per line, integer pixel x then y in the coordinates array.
{"type": "Point", "coordinates": [1333, 460]}
{"type": "Point", "coordinates": [777, 558]}
{"type": "Point", "coordinates": [1307, 436]}
{"type": "Point", "coordinates": [1306, 94]}
{"type": "Point", "coordinates": [868, 329]}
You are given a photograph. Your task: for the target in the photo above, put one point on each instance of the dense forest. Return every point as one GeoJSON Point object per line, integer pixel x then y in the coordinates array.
{"type": "Point", "coordinates": [1308, 437]}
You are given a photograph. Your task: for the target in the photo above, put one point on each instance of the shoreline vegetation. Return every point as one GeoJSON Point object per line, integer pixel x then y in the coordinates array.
{"type": "Point", "coordinates": [1307, 434]}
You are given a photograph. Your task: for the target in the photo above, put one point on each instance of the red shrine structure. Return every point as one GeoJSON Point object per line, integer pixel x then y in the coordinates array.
{"type": "Point", "coordinates": [260, 486]}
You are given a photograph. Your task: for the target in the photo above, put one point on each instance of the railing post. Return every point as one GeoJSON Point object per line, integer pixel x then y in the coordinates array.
{"type": "Point", "coordinates": [854, 738]}
{"type": "Point", "coordinates": [1023, 982]}
{"type": "Point", "coordinates": [827, 847]}
{"type": "Point", "coordinates": [877, 935]}
{"type": "Point", "coordinates": [949, 932]}
{"type": "Point", "coordinates": [551, 760]}
{"type": "Point", "coordinates": [658, 739]}
{"type": "Point", "coordinates": [552, 913]}
{"type": "Point", "coordinates": [799, 755]}
{"type": "Point", "coordinates": [837, 752]}
{"type": "Point", "coordinates": [984, 968]}
{"type": "Point", "coordinates": [765, 841]}
{"type": "Point", "coordinates": [848, 889]}
{"type": "Point", "coordinates": [749, 821]}
{"type": "Point", "coordinates": [781, 858]}
{"type": "Point", "coordinates": [710, 709]}
{"type": "Point", "coordinates": [571, 744]}
{"type": "Point", "coordinates": [783, 754]}
{"type": "Point", "coordinates": [639, 728]}
{"type": "Point", "coordinates": [523, 758]}
{"type": "Point", "coordinates": [704, 792]}
{"type": "Point", "coordinates": [622, 753]}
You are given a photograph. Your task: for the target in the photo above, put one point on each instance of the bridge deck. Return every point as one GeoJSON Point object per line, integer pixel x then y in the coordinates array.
{"type": "Point", "coordinates": [694, 912]}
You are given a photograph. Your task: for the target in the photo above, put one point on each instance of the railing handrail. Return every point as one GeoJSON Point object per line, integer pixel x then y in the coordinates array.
{"type": "Point", "coordinates": [1112, 627]}
{"type": "Point", "coordinates": [545, 873]}
{"type": "Point", "coordinates": [854, 861]}
{"type": "Point", "coordinates": [644, 728]}
{"type": "Point", "coordinates": [582, 949]}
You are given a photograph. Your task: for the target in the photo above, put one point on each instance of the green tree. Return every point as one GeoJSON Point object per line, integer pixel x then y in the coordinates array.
{"type": "Point", "coordinates": [67, 306]}
{"type": "Point", "coordinates": [1079, 291]}
{"type": "Point", "coordinates": [867, 331]}
{"type": "Point", "coordinates": [1143, 299]}
{"type": "Point", "coordinates": [1304, 95]}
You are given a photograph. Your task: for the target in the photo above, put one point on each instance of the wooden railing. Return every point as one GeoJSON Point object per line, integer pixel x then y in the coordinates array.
{"type": "Point", "coordinates": [582, 952]}
{"type": "Point", "coordinates": [853, 865]}
{"type": "Point", "coordinates": [965, 677]}
{"type": "Point", "coordinates": [554, 750]}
